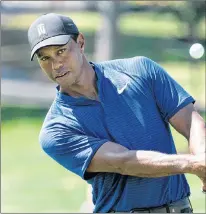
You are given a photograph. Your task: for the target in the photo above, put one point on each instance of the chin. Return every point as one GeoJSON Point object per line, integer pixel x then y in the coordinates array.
{"type": "Point", "coordinates": [66, 83]}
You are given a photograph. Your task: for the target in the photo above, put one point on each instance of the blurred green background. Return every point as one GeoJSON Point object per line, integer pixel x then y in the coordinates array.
{"type": "Point", "coordinates": [32, 182]}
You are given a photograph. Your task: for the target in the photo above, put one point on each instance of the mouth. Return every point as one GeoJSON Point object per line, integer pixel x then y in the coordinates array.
{"type": "Point", "coordinates": [62, 75]}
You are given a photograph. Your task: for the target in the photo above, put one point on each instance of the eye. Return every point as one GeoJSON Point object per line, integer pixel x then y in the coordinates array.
{"type": "Point", "coordinates": [61, 51]}
{"type": "Point", "coordinates": [44, 58]}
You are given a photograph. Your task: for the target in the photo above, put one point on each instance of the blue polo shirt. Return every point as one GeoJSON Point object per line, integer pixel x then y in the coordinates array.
{"type": "Point", "coordinates": [137, 98]}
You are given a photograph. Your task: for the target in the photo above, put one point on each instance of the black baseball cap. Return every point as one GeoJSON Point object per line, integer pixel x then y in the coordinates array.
{"type": "Point", "coordinates": [50, 29]}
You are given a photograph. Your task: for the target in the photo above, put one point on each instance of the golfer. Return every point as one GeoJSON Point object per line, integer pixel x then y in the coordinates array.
{"type": "Point", "coordinates": [109, 123]}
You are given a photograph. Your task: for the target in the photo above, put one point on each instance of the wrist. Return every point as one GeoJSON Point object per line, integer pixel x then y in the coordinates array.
{"type": "Point", "coordinates": [196, 165]}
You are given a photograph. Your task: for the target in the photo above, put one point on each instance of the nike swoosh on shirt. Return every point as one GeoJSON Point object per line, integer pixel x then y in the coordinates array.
{"type": "Point", "coordinates": [120, 90]}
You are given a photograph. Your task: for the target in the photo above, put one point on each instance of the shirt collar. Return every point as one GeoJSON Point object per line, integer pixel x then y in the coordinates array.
{"type": "Point", "coordinates": [66, 99]}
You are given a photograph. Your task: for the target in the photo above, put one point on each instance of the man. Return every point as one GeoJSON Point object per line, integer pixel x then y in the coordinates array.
{"type": "Point", "coordinates": [109, 123]}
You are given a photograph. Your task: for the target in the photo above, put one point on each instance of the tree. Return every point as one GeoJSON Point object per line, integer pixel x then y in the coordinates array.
{"type": "Point", "coordinates": [106, 40]}
{"type": "Point", "coordinates": [190, 13]}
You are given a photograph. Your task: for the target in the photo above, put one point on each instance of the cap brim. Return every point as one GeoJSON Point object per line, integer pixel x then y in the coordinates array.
{"type": "Point", "coordinates": [57, 40]}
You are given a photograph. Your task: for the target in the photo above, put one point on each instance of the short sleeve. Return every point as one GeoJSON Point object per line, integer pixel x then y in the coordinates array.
{"type": "Point", "coordinates": [70, 147]}
{"type": "Point", "coordinates": [169, 95]}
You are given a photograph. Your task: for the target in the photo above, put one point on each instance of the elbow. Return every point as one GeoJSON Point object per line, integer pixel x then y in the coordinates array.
{"type": "Point", "coordinates": [117, 162]}
{"type": "Point", "coordinates": [125, 160]}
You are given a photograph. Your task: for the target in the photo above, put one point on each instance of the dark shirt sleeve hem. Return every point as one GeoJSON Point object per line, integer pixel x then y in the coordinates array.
{"type": "Point", "coordinates": [187, 101]}
{"type": "Point", "coordinates": [88, 175]}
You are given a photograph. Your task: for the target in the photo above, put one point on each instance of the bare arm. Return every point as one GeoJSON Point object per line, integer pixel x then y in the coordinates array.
{"type": "Point", "coordinates": [112, 157]}
{"type": "Point", "coordinates": [191, 125]}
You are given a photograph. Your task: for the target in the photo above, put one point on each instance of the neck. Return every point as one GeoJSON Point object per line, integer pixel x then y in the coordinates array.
{"type": "Point", "coordinates": [86, 85]}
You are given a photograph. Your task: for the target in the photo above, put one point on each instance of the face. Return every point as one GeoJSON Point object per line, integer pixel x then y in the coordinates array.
{"type": "Point", "coordinates": [63, 64]}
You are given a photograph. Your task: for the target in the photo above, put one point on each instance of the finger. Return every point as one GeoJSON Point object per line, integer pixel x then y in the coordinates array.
{"type": "Point", "coordinates": [204, 188]}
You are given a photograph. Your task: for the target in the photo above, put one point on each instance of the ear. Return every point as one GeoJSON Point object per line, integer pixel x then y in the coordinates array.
{"type": "Point", "coordinates": [81, 42]}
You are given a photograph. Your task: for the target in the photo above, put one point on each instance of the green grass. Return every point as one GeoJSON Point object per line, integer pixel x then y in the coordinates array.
{"type": "Point", "coordinates": [86, 23]}
{"type": "Point", "coordinates": [197, 197]}
{"type": "Point", "coordinates": [32, 182]}
{"type": "Point", "coordinates": [144, 24]}
{"type": "Point", "coordinates": [190, 76]}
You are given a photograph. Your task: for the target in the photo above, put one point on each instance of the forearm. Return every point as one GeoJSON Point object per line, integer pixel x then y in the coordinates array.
{"type": "Point", "coordinates": [114, 158]}
{"type": "Point", "coordinates": [197, 134]}
{"type": "Point", "coordinates": [155, 164]}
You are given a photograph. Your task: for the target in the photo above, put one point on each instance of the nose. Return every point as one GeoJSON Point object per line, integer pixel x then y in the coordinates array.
{"type": "Point", "coordinates": [57, 65]}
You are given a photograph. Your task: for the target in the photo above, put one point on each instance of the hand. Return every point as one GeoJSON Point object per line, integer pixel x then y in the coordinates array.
{"type": "Point", "coordinates": [203, 185]}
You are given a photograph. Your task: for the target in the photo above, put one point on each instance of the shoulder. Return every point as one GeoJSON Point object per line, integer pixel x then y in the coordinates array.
{"type": "Point", "coordinates": [57, 127]}
{"type": "Point", "coordinates": [124, 62]}
{"type": "Point", "coordinates": [50, 131]}
{"type": "Point", "coordinates": [133, 64]}
{"type": "Point", "coordinates": [135, 67]}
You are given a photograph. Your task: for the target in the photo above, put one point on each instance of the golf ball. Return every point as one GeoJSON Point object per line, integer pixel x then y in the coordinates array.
{"type": "Point", "coordinates": [196, 51]}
